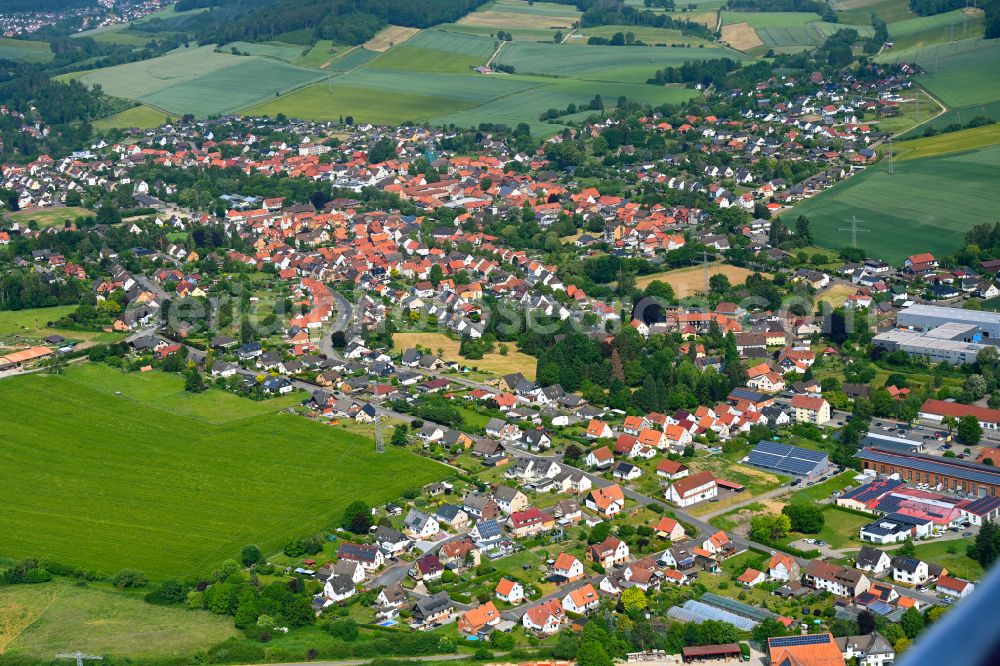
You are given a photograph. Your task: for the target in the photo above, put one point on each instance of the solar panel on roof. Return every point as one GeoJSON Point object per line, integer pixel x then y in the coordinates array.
{"type": "Point", "coordinates": [774, 448]}
{"type": "Point", "coordinates": [790, 641]}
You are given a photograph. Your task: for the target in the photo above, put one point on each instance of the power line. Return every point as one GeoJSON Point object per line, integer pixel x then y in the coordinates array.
{"type": "Point", "coordinates": [853, 229]}
{"type": "Point", "coordinates": [80, 657]}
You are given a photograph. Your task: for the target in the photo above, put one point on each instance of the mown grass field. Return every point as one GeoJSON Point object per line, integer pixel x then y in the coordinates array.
{"type": "Point", "coordinates": [133, 483]}
{"type": "Point", "coordinates": [42, 620]}
{"type": "Point", "coordinates": [926, 206]}
{"type": "Point", "coordinates": [496, 363]}
{"type": "Point", "coordinates": [390, 36]}
{"type": "Point", "coordinates": [48, 217]}
{"type": "Point", "coordinates": [25, 50]}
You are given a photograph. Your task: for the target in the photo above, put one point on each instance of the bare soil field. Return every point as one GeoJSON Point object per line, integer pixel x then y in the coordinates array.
{"type": "Point", "coordinates": [741, 36]}
{"type": "Point", "coordinates": [496, 363]}
{"type": "Point", "coordinates": [389, 37]}
{"type": "Point", "coordinates": [691, 280]}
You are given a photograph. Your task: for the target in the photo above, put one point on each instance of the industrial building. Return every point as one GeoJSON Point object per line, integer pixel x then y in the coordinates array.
{"type": "Point", "coordinates": [949, 474]}
{"type": "Point", "coordinates": [794, 460]}
{"type": "Point", "coordinates": [926, 317]}
{"type": "Point", "coordinates": [952, 335]}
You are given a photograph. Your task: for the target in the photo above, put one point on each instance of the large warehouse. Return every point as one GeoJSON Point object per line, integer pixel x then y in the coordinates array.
{"type": "Point", "coordinates": [943, 473]}
{"type": "Point", "coordinates": [787, 459]}
{"type": "Point", "coordinates": [922, 317]}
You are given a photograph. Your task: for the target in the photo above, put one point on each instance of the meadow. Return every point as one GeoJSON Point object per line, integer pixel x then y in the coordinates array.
{"type": "Point", "coordinates": [49, 217]}
{"type": "Point", "coordinates": [957, 562]}
{"type": "Point", "coordinates": [497, 363]}
{"type": "Point", "coordinates": [926, 206]}
{"type": "Point", "coordinates": [141, 117]}
{"type": "Point", "coordinates": [151, 485]}
{"type": "Point", "coordinates": [41, 620]}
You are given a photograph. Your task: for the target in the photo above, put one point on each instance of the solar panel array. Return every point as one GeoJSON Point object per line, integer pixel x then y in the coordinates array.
{"type": "Point", "coordinates": [752, 612]}
{"type": "Point", "coordinates": [791, 641]}
{"type": "Point", "coordinates": [956, 470]}
{"type": "Point", "coordinates": [785, 458]}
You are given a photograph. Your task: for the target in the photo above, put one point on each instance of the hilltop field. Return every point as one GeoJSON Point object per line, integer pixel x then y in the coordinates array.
{"type": "Point", "coordinates": [927, 205]}
{"type": "Point", "coordinates": [139, 474]}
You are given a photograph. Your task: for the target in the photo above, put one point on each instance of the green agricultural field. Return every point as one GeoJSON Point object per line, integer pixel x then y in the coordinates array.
{"type": "Point", "coordinates": [251, 81]}
{"type": "Point", "coordinates": [926, 30]}
{"type": "Point", "coordinates": [528, 105]}
{"type": "Point", "coordinates": [962, 74]}
{"type": "Point", "coordinates": [37, 621]}
{"type": "Point", "coordinates": [624, 64]}
{"type": "Point", "coordinates": [952, 142]}
{"type": "Point", "coordinates": [651, 36]}
{"type": "Point", "coordinates": [518, 34]}
{"type": "Point", "coordinates": [141, 117]}
{"type": "Point", "coordinates": [277, 50]}
{"type": "Point", "coordinates": [351, 59]}
{"type": "Point", "coordinates": [408, 58]}
{"type": "Point", "coordinates": [323, 102]}
{"type": "Point", "coordinates": [25, 50]}
{"type": "Point", "coordinates": [49, 217]}
{"type": "Point", "coordinates": [965, 75]}
{"type": "Point", "coordinates": [132, 485]}
{"type": "Point", "coordinates": [925, 207]}
{"type": "Point", "coordinates": [453, 42]}
{"type": "Point", "coordinates": [859, 11]}
{"type": "Point", "coordinates": [139, 79]}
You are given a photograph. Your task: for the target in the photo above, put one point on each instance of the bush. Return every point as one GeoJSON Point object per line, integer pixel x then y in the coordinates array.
{"type": "Point", "coordinates": [129, 578]}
